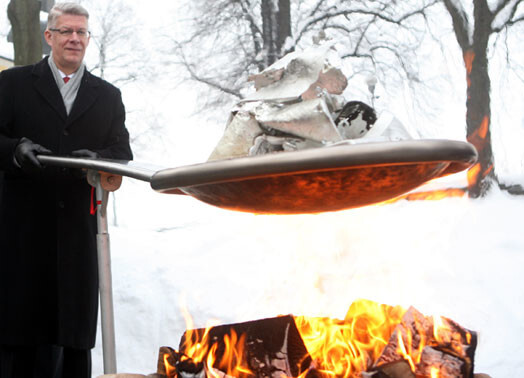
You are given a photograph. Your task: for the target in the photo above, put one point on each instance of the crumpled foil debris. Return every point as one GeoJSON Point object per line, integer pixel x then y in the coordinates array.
{"type": "Point", "coordinates": [298, 104]}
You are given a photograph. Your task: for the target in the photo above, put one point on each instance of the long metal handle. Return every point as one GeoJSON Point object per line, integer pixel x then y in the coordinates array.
{"type": "Point", "coordinates": [104, 278]}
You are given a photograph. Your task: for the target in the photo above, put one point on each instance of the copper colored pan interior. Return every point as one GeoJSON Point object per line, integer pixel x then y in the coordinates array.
{"type": "Point", "coordinates": [312, 181]}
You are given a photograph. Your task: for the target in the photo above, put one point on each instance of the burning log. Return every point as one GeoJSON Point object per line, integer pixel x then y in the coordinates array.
{"type": "Point", "coordinates": [397, 369]}
{"type": "Point", "coordinates": [263, 348]}
{"type": "Point", "coordinates": [407, 339]}
{"type": "Point", "coordinates": [445, 347]}
{"type": "Point", "coordinates": [447, 365]}
{"type": "Point", "coordinates": [169, 361]}
{"type": "Point", "coordinates": [373, 341]}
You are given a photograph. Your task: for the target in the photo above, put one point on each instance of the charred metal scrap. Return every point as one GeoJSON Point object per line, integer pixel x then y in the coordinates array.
{"type": "Point", "coordinates": [299, 104]}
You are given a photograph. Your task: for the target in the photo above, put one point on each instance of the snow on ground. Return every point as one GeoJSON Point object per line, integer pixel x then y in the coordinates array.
{"type": "Point", "coordinates": [456, 257]}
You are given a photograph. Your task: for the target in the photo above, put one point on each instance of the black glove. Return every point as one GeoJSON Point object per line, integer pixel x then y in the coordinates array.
{"type": "Point", "coordinates": [26, 152]}
{"type": "Point", "coordinates": [85, 153]}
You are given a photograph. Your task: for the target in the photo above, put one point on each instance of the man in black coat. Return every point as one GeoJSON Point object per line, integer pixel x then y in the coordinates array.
{"type": "Point", "coordinates": [48, 259]}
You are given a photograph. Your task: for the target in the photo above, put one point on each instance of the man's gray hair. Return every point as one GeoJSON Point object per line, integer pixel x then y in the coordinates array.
{"type": "Point", "coordinates": [65, 8]}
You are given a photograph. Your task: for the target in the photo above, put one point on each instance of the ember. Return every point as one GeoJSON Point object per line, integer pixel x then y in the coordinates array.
{"type": "Point", "coordinates": [373, 340]}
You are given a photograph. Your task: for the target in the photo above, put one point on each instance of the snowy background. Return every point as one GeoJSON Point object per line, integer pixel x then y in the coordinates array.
{"type": "Point", "coordinates": [455, 257]}
{"type": "Point", "coordinates": [459, 258]}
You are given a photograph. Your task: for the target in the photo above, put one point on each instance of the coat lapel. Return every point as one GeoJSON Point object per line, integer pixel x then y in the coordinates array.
{"type": "Point", "coordinates": [85, 98]}
{"type": "Point", "coordinates": [45, 84]}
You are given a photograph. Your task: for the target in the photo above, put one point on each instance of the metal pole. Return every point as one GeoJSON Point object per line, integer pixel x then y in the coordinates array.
{"type": "Point", "coordinates": [105, 281]}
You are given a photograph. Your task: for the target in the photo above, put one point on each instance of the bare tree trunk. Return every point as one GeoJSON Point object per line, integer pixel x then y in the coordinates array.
{"type": "Point", "coordinates": [276, 27]}
{"type": "Point", "coordinates": [478, 120]}
{"type": "Point", "coordinates": [47, 5]}
{"type": "Point", "coordinates": [24, 16]}
{"type": "Point", "coordinates": [284, 25]}
{"type": "Point", "coordinates": [269, 25]}
{"type": "Point", "coordinates": [478, 109]}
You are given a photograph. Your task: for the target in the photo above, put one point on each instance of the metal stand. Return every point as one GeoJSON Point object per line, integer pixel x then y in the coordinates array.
{"type": "Point", "coordinates": [104, 278]}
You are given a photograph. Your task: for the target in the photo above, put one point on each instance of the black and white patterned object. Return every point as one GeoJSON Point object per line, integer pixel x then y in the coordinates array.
{"type": "Point", "coordinates": [355, 120]}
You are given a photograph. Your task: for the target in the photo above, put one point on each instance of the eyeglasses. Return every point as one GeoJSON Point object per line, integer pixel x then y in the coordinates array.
{"type": "Point", "coordinates": [69, 32]}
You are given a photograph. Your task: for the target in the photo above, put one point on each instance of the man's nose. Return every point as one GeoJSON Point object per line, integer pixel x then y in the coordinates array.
{"type": "Point", "coordinates": [75, 37]}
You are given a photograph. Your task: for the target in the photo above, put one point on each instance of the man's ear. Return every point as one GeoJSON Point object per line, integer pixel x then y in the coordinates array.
{"type": "Point", "coordinates": [47, 36]}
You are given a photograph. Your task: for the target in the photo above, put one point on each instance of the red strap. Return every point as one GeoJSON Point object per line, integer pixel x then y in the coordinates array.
{"type": "Point", "coordinates": [93, 208]}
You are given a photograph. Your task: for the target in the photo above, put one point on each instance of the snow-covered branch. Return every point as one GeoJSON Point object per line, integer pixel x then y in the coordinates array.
{"type": "Point", "coordinates": [461, 23]}
{"type": "Point", "coordinates": [506, 14]}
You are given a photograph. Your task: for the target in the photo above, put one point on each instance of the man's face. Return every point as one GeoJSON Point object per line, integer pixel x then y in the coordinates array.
{"type": "Point", "coordinates": [68, 50]}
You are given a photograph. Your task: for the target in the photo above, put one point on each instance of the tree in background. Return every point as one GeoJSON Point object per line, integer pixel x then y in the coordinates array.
{"type": "Point", "coordinates": [474, 27]}
{"type": "Point", "coordinates": [276, 30]}
{"type": "Point", "coordinates": [228, 40]}
{"type": "Point", "coordinates": [46, 5]}
{"type": "Point", "coordinates": [24, 16]}
{"type": "Point", "coordinates": [121, 58]}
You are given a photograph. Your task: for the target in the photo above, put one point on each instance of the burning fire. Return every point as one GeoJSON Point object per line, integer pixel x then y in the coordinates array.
{"type": "Point", "coordinates": [345, 348]}
{"type": "Point", "coordinates": [201, 350]}
{"type": "Point", "coordinates": [339, 348]}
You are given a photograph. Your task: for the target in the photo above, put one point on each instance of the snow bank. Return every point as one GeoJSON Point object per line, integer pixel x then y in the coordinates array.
{"type": "Point", "coordinates": [459, 258]}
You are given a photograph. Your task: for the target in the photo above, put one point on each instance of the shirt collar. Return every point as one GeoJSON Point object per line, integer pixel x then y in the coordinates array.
{"type": "Point", "coordinates": [62, 75]}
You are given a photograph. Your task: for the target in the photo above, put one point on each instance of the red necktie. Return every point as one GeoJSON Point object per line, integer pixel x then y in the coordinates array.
{"type": "Point", "coordinates": [66, 79]}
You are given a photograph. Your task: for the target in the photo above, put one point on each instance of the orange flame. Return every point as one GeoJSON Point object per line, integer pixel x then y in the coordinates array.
{"type": "Point", "coordinates": [350, 347]}
{"type": "Point", "coordinates": [197, 344]}
{"type": "Point", "coordinates": [170, 370]}
{"type": "Point", "coordinates": [339, 348]}
{"type": "Point", "coordinates": [230, 360]}
{"type": "Point", "coordinates": [406, 351]}
{"type": "Point", "coordinates": [345, 348]}
{"type": "Point", "coordinates": [199, 347]}
{"type": "Point", "coordinates": [233, 361]}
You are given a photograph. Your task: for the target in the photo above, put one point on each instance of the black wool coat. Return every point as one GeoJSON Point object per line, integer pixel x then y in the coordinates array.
{"type": "Point", "coordinates": [48, 257]}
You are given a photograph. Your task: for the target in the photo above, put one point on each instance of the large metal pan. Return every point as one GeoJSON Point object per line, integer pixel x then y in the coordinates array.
{"type": "Point", "coordinates": [317, 180]}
